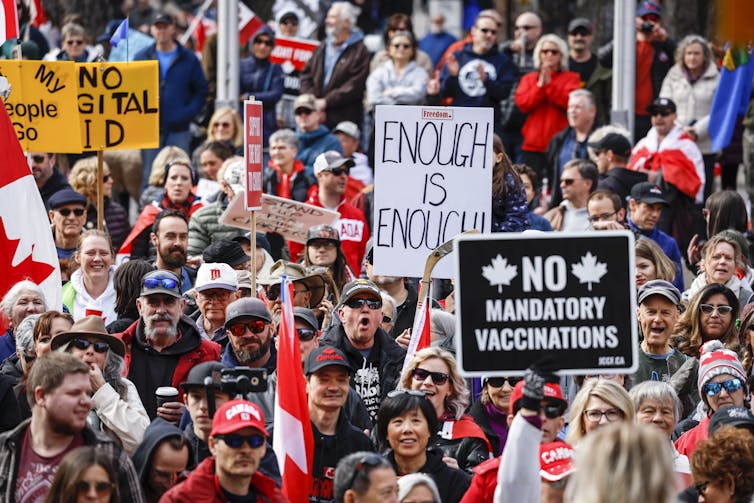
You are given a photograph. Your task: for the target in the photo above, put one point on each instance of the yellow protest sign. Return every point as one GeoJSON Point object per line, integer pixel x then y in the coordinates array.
{"type": "Point", "coordinates": [118, 105]}
{"type": "Point", "coordinates": [42, 104]}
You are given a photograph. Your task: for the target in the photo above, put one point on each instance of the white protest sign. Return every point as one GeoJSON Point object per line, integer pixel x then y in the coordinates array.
{"type": "Point", "coordinates": [287, 217]}
{"type": "Point", "coordinates": [433, 180]}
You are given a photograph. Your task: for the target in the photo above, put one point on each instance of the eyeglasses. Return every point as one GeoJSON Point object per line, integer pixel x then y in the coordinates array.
{"type": "Point", "coordinates": [714, 388]}
{"type": "Point", "coordinates": [339, 171]}
{"type": "Point", "coordinates": [410, 392]}
{"type": "Point", "coordinates": [438, 378]}
{"type": "Point", "coordinates": [39, 158]}
{"type": "Point", "coordinates": [601, 216]}
{"type": "Point", "coordinates": [373, 304]}
{"type": "Point", "coordinates": [553, 411]}
{"type": "Point", "coordinates": [322, 243]}
{"type": "Point", "coordinates": [83, 344]}
{"type": "Point", "coordinates": [387, 319]}
{"type": "Point", "coordinates": [101, 488]}
{"type": "Point", "coordinates": [499, 382]}
{"type": "Point", "coordinates": [400, 46]}
{"type": "Point", "coordinates": [255, 327]}
{"type": "Point", "coordinates": [709, 309]}
{"type": "Point", "coordinates": [74, 42]}
{"type": "Point", "coordinates": [595, 415]}
{"type": "Point", "coordinates": [488, 31]}
{"type": "Point", "coordinates": [221, 124]}
{"type": "Point", "coordinates": [569, 181]}
{"type": "Point", "coordinates": [662, 113]}
{"type": "Point", "coordinates": [306, 334]}
{"type": "Point", "coordinates": [525, 27]}
{"type": "Point", "coordinates": [29, 358]}
{"type": "Point", "coordinates": [160, 281]}
{"type": "Point", "coordinates": [67, 211]}
{"type": "Point", "coordinates": [219, 295]}
{"type": "Point", "coordinates": [549, 51]}
{"type": "Point", "coordinates": [235, 441]}
{"type": "Point", "coordinates": [264, 41]}
{"type": "Point", "coordinates": [105, 178]}
{"type": "Point", "coordinates": [371, 459]}
{"type": "Point", "coordinates": [302, 111]}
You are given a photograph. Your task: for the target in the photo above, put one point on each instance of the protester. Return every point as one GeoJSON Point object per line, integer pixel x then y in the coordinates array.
{"type": "Point", "coordinates": [721, 258]}
{"type": "Point", "coordinates": [47, 176]}
{"type": "Point", "coordinates": [491, 410]}
{"type": "Point", "coordinates": [216, 287]}
{"type": "Point", "coordinates": [532, 187]}
{"type": "Point", "coordinates": [508, 195]}
{"type": "Point", "coordinates": [612, 152]}
{"type": "Point", "coordinates": [284, 176]}
{"type": "Point", "coordinates": [323, 249]}
{"type": "Point", "coordinates": [127, 284]}
{"type": "Point", "coordinates": [21, 300]}
{"type": "Point", "coordinates": [651, 262]}
{"type": "Point", "coordinates": [161, 458]}
{"type": "Point", "coordinates": [578, 180]}
{"type": "Point", "coordinates": [365, 477]}
{"type": "Point", "coordinates": [314, 138]}
{"type": "Point", "coordinates": [417, 487]}
{"type": "Point", "coordinates": [85, 474]}
{"type": "Point", "coordinates": [68, 216]}
{"type": "Point", "coordinates": [596, 78]}
{"type": "Point", "coordinates": [399, 80]}
{"type": "Point", "coordinates": [606, 212]}
{"type": "Point", "coordinates": [91, 289]}
{"type": "Point", "coordinates": [711, 314]}
{"type": "Point", "coordinates": [723, 466]}
{"type": "Point", "coordinates": [746, 338]}
{"type": "Point", "coordinates": [212, 155]}
{"type": "Point", "coordinates": [598, 403]}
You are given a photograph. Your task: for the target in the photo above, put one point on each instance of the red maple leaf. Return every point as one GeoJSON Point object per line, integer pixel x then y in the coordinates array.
{"type": "Point", "coordinates": [26, 269]}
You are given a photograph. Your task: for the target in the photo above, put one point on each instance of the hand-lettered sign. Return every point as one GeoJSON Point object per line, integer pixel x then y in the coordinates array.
{"type": "Point", "coordinates": [295, 52]}
{"type": "Point", "coordinates": [252, 134]}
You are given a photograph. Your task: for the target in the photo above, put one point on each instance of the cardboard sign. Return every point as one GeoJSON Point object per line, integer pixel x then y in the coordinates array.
{"type": "Point", "coordinates": [119, 105]}
{"type": "Point", "coordinates": [252, 134]}
{"type": "Point", "coordinates": [433, 180]}
{"type": "Point", "coordinates": [42, 105]}
{"type": "Point", "coordinates": [292, 52]}
{"type": "Point", "coordinates": [290, 218]}
{"type": "Point", "coordinates": [572, 296]}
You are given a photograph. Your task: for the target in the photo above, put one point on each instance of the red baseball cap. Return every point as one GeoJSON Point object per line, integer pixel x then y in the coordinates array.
{"type": "Point", "coordinates": [555, 460]}
{"type": "Point", "coordinates": [236, 415]}
{"type": "Point", "coordinates": [552, 394]}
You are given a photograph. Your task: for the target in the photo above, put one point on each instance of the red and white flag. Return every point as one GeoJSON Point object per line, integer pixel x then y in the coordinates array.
{"type": "Point", "coordinates": [293, 441]}
{"type": "Point", "coordinates": [248, 23]}
{"type": "Point", "coordinates": [27, 250]}
{"type": "Point", "coordinates": [8, 21]}
{"type": "Point", "coordinates": [36, 12]}
{"type": "Point", "coordinates": [420, 336]}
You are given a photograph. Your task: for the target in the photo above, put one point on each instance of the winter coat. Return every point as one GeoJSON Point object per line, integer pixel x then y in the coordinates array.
{"type": "Point", "coordinates": [78, 301]}
{"type": "Point", "coordinates": [313, 143]}
{"type": "Point", "coordinates": [204, 227]}
{"type": "Point", "coordinates": [451, 482]}
{"type": "Point", "coordinates": [554, 150]}
{"type": "Point", "coordinates": [509, 212]}
{"type": "Point", "coordinates": [464, 441]}
{"type": "Point", "coordinates": [467, 89]}
{"type": "Point", "coordinates": [124, 418]}
{"type": "Point", "coordinates": [693, 101]}
{"type": "Point", "coordinates": [300, 181]}
{"type": "Point", "coordinates": [408, 88]}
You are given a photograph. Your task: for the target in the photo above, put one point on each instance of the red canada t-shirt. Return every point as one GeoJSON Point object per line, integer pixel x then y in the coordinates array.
{"type": "Point", "coordinates": [35, 472]}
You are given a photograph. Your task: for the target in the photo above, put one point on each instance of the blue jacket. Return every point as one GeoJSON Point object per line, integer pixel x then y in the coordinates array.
{"type": "Point", "coordinates": [313, 143]}
{"type": "Point", "coordinates": [183, 91]}
{"type": "Point", "coordinates": [669, 246]}
{"type": "Point", "coordinates": [264, 81]}
{"type": "Point", "coordinates": [466, 88]}
{"type": "Point", "coordinates": [7, 345]}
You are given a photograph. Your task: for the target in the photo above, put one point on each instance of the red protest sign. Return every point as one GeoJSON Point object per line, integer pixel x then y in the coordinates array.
{"type": "Point", "coordinates": [252, 132]}
{"type": "Point", "coordinates": [297, 51]}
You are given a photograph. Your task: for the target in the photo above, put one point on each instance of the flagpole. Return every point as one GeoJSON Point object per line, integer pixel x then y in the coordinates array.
{"type": "Point", "coordinates": [195, 22]}
{"type": "Point", "coordinates": [253, 245]}
{"type": "Point", "coordinates": [100, 191]}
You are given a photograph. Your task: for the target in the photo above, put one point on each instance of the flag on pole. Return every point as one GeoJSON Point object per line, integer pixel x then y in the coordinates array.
{"type": "Point", "coordinates": [36, 12]}
{"type": "Point", "coordinates": [731, 96]}
{"type": "Point", "coordinates": [420, 337]}
{"type": "Point", "coordinates": [293, 442]}
{"type": "Point", "coordinates": [8, 21]}
{"type": "Point", "coordinates": [120, 33]}
{"type": "Point", "coordinates": [248, 23]}
{"type": "Point", "coordinates": [27, 249]}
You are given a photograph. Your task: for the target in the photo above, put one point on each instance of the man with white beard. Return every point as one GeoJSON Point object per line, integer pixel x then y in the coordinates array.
{"type": "Point", "coordinates": [163, 345]}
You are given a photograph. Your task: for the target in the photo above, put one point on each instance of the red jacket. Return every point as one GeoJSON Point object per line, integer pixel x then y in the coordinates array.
{"type": "Point", "coordinates": [482, 488]}
{"type": "Point", "coordinates": [202, 486]}
{"type": "Point", "coordinates": [546, 107]}
{"type": "Point", "coordinates": [353, 229]}
{"type": "Point", "coordinates": [206, 352]}
{"type": "Point", "coordinates": [686, 443]}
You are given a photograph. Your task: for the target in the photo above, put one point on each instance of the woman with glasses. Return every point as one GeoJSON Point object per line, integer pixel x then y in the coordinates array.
{"type": "Point", "coordinates": [746, 338]}
{"type": "Point", "coordinates": [116, 406]}
{"type": "Point", "coordinates": [723, 467]}
{"type": "Point", "coordinates": [491, 410]}
{"type": "Point", "coordinates": [543, 95]}
{"type": "Point", "coordinates": [73, 46]}
{"type": "Point", "coordinates": [399, 80]}
{"type": "Point", "coordinates": [407, 424]}
{"type": "Point", "coordinates": [711, 314]}
{"type": "Point", "coordinates": [91, 289]}
{"type": "Point", "coordinates": [722, 259]}
{"type": "Point", "coordinates": [86, 475]}
{"type": "Point", "coordinates": [225, 127]}
{"type": "Point", "coordinates": [323, 250]}
{"type": "Point", "coordinates": [433, 371]}
{"type": "Point", "coordinates": [598, 403]}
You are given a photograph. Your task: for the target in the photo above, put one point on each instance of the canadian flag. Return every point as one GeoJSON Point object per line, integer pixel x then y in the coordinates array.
{"type": "Point", "coordinates": [36, 12]}
{"type": "Point", "coordinates": [293, 442]}
{"type": "Point", "coordinates": [420, 336]}
{"type": "Point", "coordinates": [27, 250]}
{"type": "Point", "coordinates": [248, 23]}
{"type": "Point", "coordinates": [8, 21]}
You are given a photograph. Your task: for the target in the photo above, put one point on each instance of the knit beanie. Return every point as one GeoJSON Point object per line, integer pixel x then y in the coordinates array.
{"type": "Point", "coordinates": [716, 360]}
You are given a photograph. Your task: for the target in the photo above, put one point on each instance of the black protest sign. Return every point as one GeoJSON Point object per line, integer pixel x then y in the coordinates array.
{"type": "Point", "coordinates": [521, 297]}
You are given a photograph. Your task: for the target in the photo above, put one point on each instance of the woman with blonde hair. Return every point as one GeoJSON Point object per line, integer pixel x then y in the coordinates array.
{"type": "Point", "coordinates": [598, 403]}
{"type": "Point", "coordinates": [225, 126]}
{"type": "Point", "coordinates": [91, 289]}
{"type": "Point", "coordinates": [651, 262]}
{"type": "Point", "coordinates": [434, 371]}
{"type": "Point", "coordinates": [155, 187]}
{"type": "Point", "coordinates": [623, 463]}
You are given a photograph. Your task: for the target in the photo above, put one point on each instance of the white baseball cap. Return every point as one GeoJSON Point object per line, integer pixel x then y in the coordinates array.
{"type": "Point", "coordinates": [216, 275]}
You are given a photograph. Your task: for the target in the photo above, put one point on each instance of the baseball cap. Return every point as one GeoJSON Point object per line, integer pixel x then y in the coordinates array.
{"type": "Point", "coordinates": [580, 22]}
{"type": "Point", "coordinates": [288, 15]}
{"type": "Point", "coordinates": [162, 17]}
{"type": "Point", "coordinates": [236, 415]}
{"type": "Point", "coordinates": [331, 160]}
{"type": "Point", "coordinates": [661, 105]}
{"type": "Point", "coordinates": [246, 307]}
{"type": "Point", "coordinates": [199, 373]}
{"type": "Point", "coordinates": [161, 281]}
{"type": "Point", "coordinates": [324, 356]}
{"type": "Point", "coordinates": [226, 251]}
{"type": "Point", "coordinates": [659, 287]}
{"type": "Point", "coordinates": [66, 196]}
{"type": "Point", "coordinates": [552, 394]}
{"type": "Point", "coordinates": [555, 461]}
{"type": "Point", "coordinates": [731, 415]}
{"type": "Point", "coordinates": [616, 142]}
{"type": "Point", "coordinates": [307, 316]}
{"type": "Point", "coordinates": [262, 241]}
{"type": "Point", "coordinates": [243, 278]}
{"type": "Point", "coordinates": [649, 7]}
{"type": "Point", "coordinates": [648, 192]}
{"type": "Point", "coordinates": [358, 286]}
{"type": "Point", "coordinates": [215, 275]}
{"type": "Point", "coordinates": [306, 101]}
{"type": "Point", "coordinates": [349, 128]}
{"type": "Point", "coordinates": [323, 231]}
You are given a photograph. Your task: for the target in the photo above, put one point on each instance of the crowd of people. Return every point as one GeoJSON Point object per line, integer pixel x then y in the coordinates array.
{"type": "Point", "coordinates": [136, 388]}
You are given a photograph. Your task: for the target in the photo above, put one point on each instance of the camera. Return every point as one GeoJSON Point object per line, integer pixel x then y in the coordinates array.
{"type": "Point", "coordinates": [237, 381]}
{"type": "Point", "coordinates": [647, 27]}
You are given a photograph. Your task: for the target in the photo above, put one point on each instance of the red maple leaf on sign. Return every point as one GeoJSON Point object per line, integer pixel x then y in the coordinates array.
{"type": "Point", "coordinates": [26, 269]}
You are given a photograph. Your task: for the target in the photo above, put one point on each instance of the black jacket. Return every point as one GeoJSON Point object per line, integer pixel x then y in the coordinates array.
{"type": "Point", "coordinates": [620, 181]}
{"type": "Point", "coordinates": [480, 416]}
{"type": "Point", "coordinates": [451, 482]}
{"type": "Point", "coordinates": [406, 311]}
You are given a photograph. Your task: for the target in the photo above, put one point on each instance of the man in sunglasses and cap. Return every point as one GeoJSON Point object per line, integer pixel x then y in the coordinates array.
{"type": "Point", "coordinates": [163, 345]}
{"type": "Point", "coordinates": [238, 442]}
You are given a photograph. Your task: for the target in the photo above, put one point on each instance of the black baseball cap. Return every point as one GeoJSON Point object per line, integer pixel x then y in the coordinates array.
{"type": "Point", "coordinates": [307, 316]}
{"type": "Point", "coordinates": [580, 22]}
{"type": "Point", "coordinates": [199, 373]}
{"type": "Point", "coordinates": [648, 192]}
{"type": "Point", "coordinates": [731, 415]}
{"type": "Point", "coordinates": [246, 307]}
{"type": "Point", "coordinates": [661, 105]}
{"type": "Point", "coordinates": [325, 356]}
{"type": "Point", "coordinates": [616, 142]}
{"type": "Point", "coordinates": [225, 250]}
{"type": "Point", "coordinates": [162, 17]}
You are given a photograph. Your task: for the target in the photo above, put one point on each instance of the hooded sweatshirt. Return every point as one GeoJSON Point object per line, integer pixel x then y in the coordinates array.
{"type": "Point", "coordinates": [80, 303]}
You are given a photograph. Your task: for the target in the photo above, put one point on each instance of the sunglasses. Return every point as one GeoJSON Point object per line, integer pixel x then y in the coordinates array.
{"type": "Point", "coordinates": [235, 441]}
{"type": "Point", "coordinates": [38, 158]}
{"type": "Point", "coordinates": [339, 171]}
{"type": "Point", "coordinates": [568, 181]}
{"type": "Point", "coordinates": [553, 411]}
{"type": "Point", "coordinates": [160, 281]}
{"type": "Point", "coordinates": [373, 304]}
{"type": "Point", "coordinates": [525, 27]}
{"type": "Point", "coordinates": [83, 344]}
{"type": "Point", "coordinates": [74, 42]}
{"type": "Point", "coordinates": [663, 113]}
{"type": "Point", "coordinates": [265, 41]}
{"type": "Point", "coordinates": [371, 459]}
{"type": "Point", "coordinates": [67, 211]}
{"type": "Point", "coordinates": [101, 488]}
{"type": "Point", "coordinates": [499, 382]}
{"type": "Point", "coordinates": [580, 33]}
{"type": "Point", "coordinates": [549, 51]}
{"type": "Point", "coordinates": [387, 319]}
{"type": "Point", "coordinates": [105, 178]}
{"type": "Point", "coordinates": [714, 388]}
{"type": "Point", "coordinates": [709, 309]}
{"type": "Point", "coordinates": [400, 46]}
{"type": "Point", "coordinates": [255, 327]}
{"type": "Point", "coordinates": [306, 334]}
{"type": "Point", "coordinates": [302, 111]}
{"type": "Point", "coordinates": [221, 124]}
{"type": "Point", "coordinates": [438, 378]}
{"type": "Point", "coordinates": [488, 31]}
{"type": "Point", "coordinates": [601, 216]}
